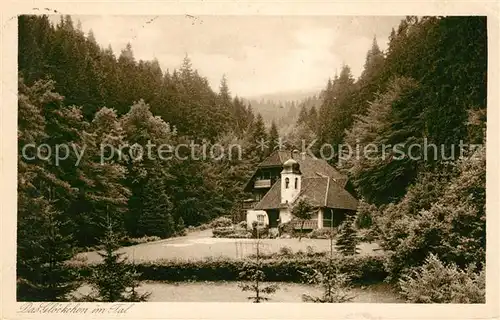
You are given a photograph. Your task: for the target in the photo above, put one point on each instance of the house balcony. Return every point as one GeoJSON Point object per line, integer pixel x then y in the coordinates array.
{"type": "Point", "coordinates": [249, 204]}
{"type": "Point", "coordinates": [262, 183]}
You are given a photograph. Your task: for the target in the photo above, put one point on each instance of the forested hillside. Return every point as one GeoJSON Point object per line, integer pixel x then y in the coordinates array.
{"type": "Point", "coordinates": [428, 87]}
{"type": "Point", "coordinates": [427, 95]}
{"type": "Point", "coordinates": [73, 91]}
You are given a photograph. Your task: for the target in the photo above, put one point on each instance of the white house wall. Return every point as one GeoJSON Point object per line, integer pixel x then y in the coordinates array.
{"type": "Point", "coordinates": [285, 215]}
{"type": "Point", "coordinates": [252, 216]}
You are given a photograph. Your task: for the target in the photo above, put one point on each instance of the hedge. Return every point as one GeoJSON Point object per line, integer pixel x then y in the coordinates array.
{"type": "Point", "coordinates": [363, 269]}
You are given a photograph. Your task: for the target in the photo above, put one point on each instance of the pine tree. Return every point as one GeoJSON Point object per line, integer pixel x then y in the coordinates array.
{"type": "Point", "coordinates": [347, 238]}
{"type": "Point", "coordinates": [302, 115]}
{"type": "Point", "coordinates": [114, 279]}
{"type": "Point", "coordinates": [156, 217]}
{"type": "Point", "coordinates": [312, 118]}
{"type": "Point", "coordinates": [273, 137]}
{"type": "Point", "coordinates": [254, 275]}
{"type": "Point", "coordinates": [259, 142]}
{"type": "Point", "coordinates": [43, 250]}
{"type": "Point", "coordinates": [335, 284]}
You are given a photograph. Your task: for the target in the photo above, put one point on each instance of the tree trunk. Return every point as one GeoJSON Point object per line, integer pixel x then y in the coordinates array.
{"type": "Point", "coordinates": [301, 228]}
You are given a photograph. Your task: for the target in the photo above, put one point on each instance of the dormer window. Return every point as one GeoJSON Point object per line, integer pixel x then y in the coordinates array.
{"type": "Point", "coordinates": [296, 183]}
{"type": "Point", "coordinates": [287, 182]}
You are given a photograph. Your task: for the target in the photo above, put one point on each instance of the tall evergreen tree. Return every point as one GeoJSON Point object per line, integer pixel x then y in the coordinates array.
{"type": "Point", "coordinates": [259, 140]}
{"type": "Point", "coordinates": [347, 239]}
{"type": "Point", "coordinates": [114, 280]}
{"type": "Point", "coordinates": [273, 137]}
{"type": "Point", "coordinates": [43, 250]}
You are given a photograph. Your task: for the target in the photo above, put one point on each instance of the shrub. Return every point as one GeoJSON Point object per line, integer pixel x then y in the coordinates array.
{"type": "Point", "coordinates": [242, 224]}
{"type": "Point", "coordinates": [366, 214]}
{"type": "Point", "coordinates": [231, 232]}
{"type": "Point", "coordinates": [323, 233]}
{"type": "Point", "coordinates": [221, 222]}
{"type": "Point", "coordinates": [366, 235]}
{"type": "Point", "coordinates": [440, 214]}
{"type": "Point", "coordinates": [285, 251]}
{"type": "Point", "coordinates": [259, 231]}
{"type": "Point", "coordinates": [126, 241]}
{"type": "Point", "coordinates": [434, 282]}
{"type": "Point", "coordinates": [363, 269]}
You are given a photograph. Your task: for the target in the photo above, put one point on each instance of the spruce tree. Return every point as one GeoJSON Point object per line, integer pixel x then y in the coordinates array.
{"type": "Point", "coordinates": [114, 280]}
{"type": "Point", "coordinates": [273, 137]}
{"type": "Point", "coordinates": [335, 284]}
{"type": "Point", "coordinates": [156, 217]}
{"type": "Point", "coordinates": [347, 238]}
{"type": "Point", "coordinates": [259, 140]}
{"type": "Point", "coordinates": [43, 250]}
{"type": "Point", "coordinates": [44, 234]}
{"type": "Point", "coordinates": [254, 276]}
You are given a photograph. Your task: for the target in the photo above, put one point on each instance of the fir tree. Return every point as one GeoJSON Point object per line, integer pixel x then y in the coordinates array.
{"type": "Point", "coordinates": [43, 250]}
{"type": "Point", "coordinates": [259, 142]}
{"type": "Point", "coordinates": [114, 279]}
{"type": "Point", "coordinates": [254, 275]}
{"type": "Point", "coordinates": [335, 284]}
{"type": "Point", "coordinates": [347, 238]}
{"type": "Point", "coordinates": [273, 137]}
{"type": "Point", "coordinates": [156, 217]}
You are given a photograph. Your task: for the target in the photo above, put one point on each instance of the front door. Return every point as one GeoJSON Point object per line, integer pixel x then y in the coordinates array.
{"type": "Point", "coordinates": [273, 216]}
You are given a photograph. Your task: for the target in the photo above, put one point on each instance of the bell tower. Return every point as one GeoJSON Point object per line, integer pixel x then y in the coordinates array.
{"type": "Point", "coordinates": [290, 181]}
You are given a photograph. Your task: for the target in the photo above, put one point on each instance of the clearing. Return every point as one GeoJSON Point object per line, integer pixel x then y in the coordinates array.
{"type": "Point", "coordinates": [200, 244]}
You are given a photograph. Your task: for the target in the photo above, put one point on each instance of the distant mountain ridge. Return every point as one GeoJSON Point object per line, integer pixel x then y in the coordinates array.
{"type": "Point", "coordinates": [285, 96]}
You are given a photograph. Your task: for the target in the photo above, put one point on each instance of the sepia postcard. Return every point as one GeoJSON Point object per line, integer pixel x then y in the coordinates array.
{"type": "Point", "coordinates": [239, 160]}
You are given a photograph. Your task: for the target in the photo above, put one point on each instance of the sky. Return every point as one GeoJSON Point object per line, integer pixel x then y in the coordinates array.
{"type": "Point", "coordinates": [258, 54]}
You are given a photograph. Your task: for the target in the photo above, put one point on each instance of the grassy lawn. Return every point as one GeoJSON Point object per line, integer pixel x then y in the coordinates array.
{"type": "Point", "coordinates": [230, 292]}
{"type": "Point", "coordinates": [200, 244]}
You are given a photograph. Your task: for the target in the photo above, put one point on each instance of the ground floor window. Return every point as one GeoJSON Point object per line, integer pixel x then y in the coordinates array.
{"type": "Point", "coordinates": [260, 218]}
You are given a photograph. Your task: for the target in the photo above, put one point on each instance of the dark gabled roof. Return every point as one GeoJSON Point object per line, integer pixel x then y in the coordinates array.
{"type": "Point", "coordinates": [272, 199]}
{"type": "Point", "coordinates": [275, 159]}
{"type": "Point", "coordinates": [310, 167]}
{"type": "Point", "coordinates": [320, 191]}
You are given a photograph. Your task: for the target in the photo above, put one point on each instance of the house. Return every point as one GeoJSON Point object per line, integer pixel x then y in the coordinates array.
{"type": "Point", "coordinates": [286, 176]}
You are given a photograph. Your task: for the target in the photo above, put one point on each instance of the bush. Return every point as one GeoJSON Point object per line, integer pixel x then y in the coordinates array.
{"type": "Point", "coordinates": [366, 235]}
{"type": "Point", "coordinates": [126, 241]}
{"type": "Point", "coordinates": [363, 269]}
{"type": "Point", "coordinates": [242, 225]}
{"type": "Point", "coordinates": [366, 214]}
{"type": "Point", "coordinates": [440, 214]}
{"type": "Point", "coordinates": [435, 282]}
{"type": "Point", "coordinates": [287, 228]}
{"type": "Point", "coordinates": [231, 232]}
{"type": "Point", "coordinates": [286, 251]}
{"type": "Point", "coordinates": [221, 222]}
{"type": "Point", "coordinates": [323, 233]}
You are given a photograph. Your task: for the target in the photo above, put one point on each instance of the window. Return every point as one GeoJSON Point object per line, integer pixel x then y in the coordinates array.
{"type": "Point", "coordinates": [296, 183]}
{"type": "Point", "coordinates": [287, 182]}
{"type": "Point", "coordinates": [260, 218]}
